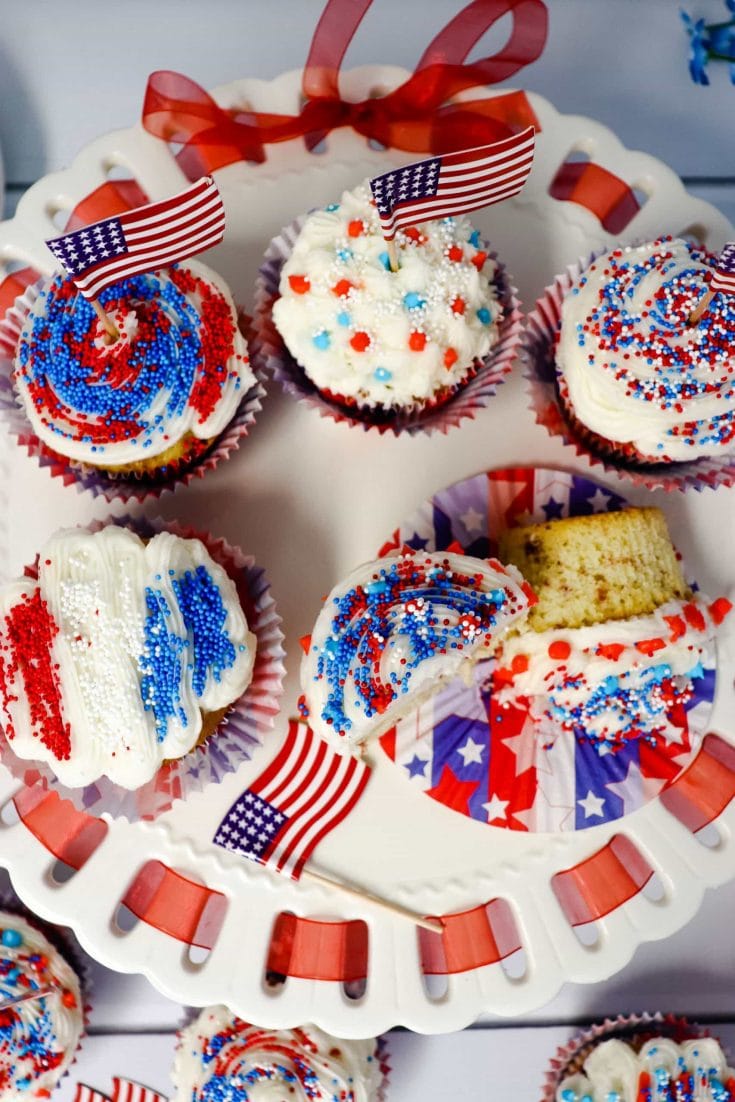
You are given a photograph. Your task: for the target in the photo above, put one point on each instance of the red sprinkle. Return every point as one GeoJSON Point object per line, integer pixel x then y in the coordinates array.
{"type": "Point", "coordinates": [305, 642]}
{"type": "Point", "coordinates": [612, 651]}
{"type": "Point", "coordinates": [450, 358]}
{"type": "Point", "coordinates": [342, 288]}
{"type": "Point", "coordinates": [360, 341]}
{"type": "Point", "coordinates": [677, 625]}
{"type": "Point", "coordinates": [650, 646]}
{"type": "Point", "coordinates": [519, 663]}
{"type": "Point", "coordinates": [694, 617]}
{"type": "Point", "coordinates": [417, 341]}
{"type": "Point", "coordinates": [479, 260]}
{"type": "Point", "coordinates": [299, 284]}
{"type": "Point", "coordinates": [455, 254]}
{"type": "Point", "coordinates": [719, 609]}
{"type": "Point", "coordinates": [559, 649]}
{"type": "Point", "coordinates": [356, 227]}
{"type": "Point", "coordinates": [459, 305]}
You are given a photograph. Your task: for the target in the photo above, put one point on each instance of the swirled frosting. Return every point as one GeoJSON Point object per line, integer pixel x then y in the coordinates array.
{"type": "Point", "coordinates": [223, 1059]}
{"type": "Point", "coordinates": [631, 368]}
{"type": "Point", "coordinates": [385, 338]}
{"type": "Point", "coordinates": [396, 628]}
{"type": "Point", "coordinates": [180, 366]}
{"type": "Point", "coordinates": [663, 1071]}
{"type": "Point", "coordinates": [109, 660]}
{"type": "Point", "coordinates": [39, 1037]}
{"type": "Point", "coordinates": [615, 681]}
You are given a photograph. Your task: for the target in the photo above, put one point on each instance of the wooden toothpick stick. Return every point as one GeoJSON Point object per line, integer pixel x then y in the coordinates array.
{"type": "Point", "coordinates": [700, 309]}
{"type": "Point", "coordinates": [432, 924]}
{"type": "Point", "coordinates": [27, 996]}
{"type": "Point", "coordinates": [392, 255]}
{"type": "Point", "coordinates": [110, 328]}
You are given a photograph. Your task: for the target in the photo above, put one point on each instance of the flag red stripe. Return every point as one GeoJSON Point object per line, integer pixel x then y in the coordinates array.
{"type": "Point", "coordinates": [511, 186]}
{"type": "Point", "coordinates": [298, 839]}
{"type": "Point", "coordinates": [163, 206]}
{"type": "Point", "coordinates": [150, 262]}
{"type": "Point", "coordinates": [722, 281]}
{"type": "Point", "coordinates": [289, 800]}
{"type": "Point", "coordinates": [515, 141]}
{"type": "Point", "coordinates": [312, 809]}
{"type": "Point", "coordinates": [330, 822]}
{"type": "Point", "coordinates": [200, 213]}
{"type": "Point", "coordinates": [293, 742]}
{"type": "Point", "coordinates": [213, 227]}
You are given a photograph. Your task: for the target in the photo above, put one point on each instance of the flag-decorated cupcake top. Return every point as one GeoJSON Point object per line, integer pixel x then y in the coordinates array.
{"type": "Point", "coordinates": [223, 1059]}
{"type": "Point", "coordinates": [662, 1071]}
{"type": "Point", "coordinates": [383, 338]}
{"type": "Point", "coordinates": [395, 629]}
{"type": "Point", "coordinates": [632, 367]}
{"type": "Point", "coordinates": [143, 239]}
{"type": "Point", "coordinates": [178, 369]}
{"type": "Point", "coordinates": [110, 659]}
{"type": "Point", "coordinates": [38, 1037]}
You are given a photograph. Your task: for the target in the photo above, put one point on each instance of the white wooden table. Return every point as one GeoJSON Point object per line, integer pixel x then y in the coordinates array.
{"type": "Point", "coordinates": [67, 75]}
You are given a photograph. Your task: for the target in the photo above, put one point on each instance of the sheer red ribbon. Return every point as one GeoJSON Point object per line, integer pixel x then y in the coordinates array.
{"type": "Point", "coordinates": [416, 116]}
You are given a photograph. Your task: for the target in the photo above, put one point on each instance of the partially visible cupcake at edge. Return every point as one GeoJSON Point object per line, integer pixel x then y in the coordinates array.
{"type": "Point", "coordinates": [150, 403]}
{"type": "Point", "coordinates": [637, 383]}
{"type": "Point", "coordinates": [641, 1059]}
{"type": "Point", "coordinates": [121, 655]}
{"type": "Point", "coordinates": [220, 1056]}
{"type": "Point", "coordinates": [380, 343]}
{"type": "Point", "coordinates": [38, 1037]}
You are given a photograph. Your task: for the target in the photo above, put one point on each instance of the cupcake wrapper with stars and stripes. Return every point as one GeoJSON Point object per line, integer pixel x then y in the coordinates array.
{"type": "Point", "coordinates": [269, 352]}
{"type": "Point", "coordinates": [537, 352]}
{"type": "Point", "coordinates": [128, 488]}
{"type": "Point", "coordinates": [487, 762]}
{"type": "Point", "coordinates": [243, 729]}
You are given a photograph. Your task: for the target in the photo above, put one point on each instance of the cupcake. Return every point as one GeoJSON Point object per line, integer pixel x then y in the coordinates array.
{"type": "Point", "coordinates": [152, 402]}
{"type": "Point", "coordinates": [381, 346]}
{"type": "Point", "coordinates": [617, 644]}
{"type": "Point", "coordinates": [637, 383]}
{"type": "Point", "coordinates": [121, 655]}
{"type": "Point", "coordinates": [641, 1060]}
{"type": "Point", "coordinates": [396, 629]}
{"type": "Point", "coordinates": [38, 1037]}
{"type": "Point", "coordinates": [221, 1057]}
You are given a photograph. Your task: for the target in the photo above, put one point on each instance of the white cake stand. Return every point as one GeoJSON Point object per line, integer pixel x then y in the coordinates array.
{"type": "Point", "coordinates": [310, 499]}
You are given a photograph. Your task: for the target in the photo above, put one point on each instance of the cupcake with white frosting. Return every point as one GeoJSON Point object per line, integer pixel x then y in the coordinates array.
{"type": "Point", "coordinates": [616, 368]}
{"type": "Point", "coordinates": [39, 1037]}
{"type": "Point", "coordinates": [641, 1057]}
{"type": "Point", "coordinates": [138, 664]}
{"type": "Point", "coordinates": [142, 409]}
{"type": "Point", "coordinates": [221, 1057]}
{"type": "Point", "coordinates": [392, 348]}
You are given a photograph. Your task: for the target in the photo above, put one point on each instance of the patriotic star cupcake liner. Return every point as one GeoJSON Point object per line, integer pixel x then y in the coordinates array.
{"type": "Point", "coordinates": [130, 488]}
{"type": "Point", "coordinates": [547, 401]}
{"type": "Point", "coordinates": [244, 727]}
{"type": "Point", "coordinates": [635, 1029]}
{"type": "Point", "coordinates": [495, 762]}
{"type": "Point", "coordinates": [63, 941]}
{"type": "Point", "coordinates": [270, 354]}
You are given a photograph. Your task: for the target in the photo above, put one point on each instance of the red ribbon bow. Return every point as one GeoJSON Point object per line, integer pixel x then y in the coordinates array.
{"type": "Point", "coordinates": [416, 116]}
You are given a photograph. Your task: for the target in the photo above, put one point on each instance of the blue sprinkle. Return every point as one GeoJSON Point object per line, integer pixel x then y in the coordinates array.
{"type": "Point", "coordinates": [343, 318]}
{"type": "Point", "coordinates": [12, 938]}
{"type": "Point", "coordinates": [382, 374]}
{"type": "Point", "coordinates": [484, 315]}
{"type": "Point", "coordinates": [321, 340]}
{"type": "Point", "coordinates": [413, 301]}
{"type": "Point", "coordinates": [384, 260]}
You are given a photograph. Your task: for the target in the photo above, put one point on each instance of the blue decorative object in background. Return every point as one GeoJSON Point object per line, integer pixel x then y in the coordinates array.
{"type": "Point", "coordinates": [710, 42]}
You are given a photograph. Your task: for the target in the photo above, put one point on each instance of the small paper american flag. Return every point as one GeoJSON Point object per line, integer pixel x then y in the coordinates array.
{"type": "Point", "coordinates": [143, 239]}
{"type": "Point", "coordinates": [723, 276]}
{"type": "Point", "coordinates": [89, 1094]}
{"type": "Point", "coordinates": [303, 794]}
{"type": "Point", "coordinates": [453, 183]}
{"type": "Point", "coordinates": [124, 1090]}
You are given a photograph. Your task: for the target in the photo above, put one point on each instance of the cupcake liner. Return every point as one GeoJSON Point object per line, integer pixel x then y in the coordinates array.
{"type": "Point", "coordinates": [244, 727]}
{"type": "Point", "coordinates": [63, 940]}
{"type": "Point", "coordinates": [538, 354]}
{"type": "Point", "coordinates": [642, 1027]}
{"type": "Point", "coordinates": [125, 488]}
{"type": "Point", "coordinates": [269, 350]}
